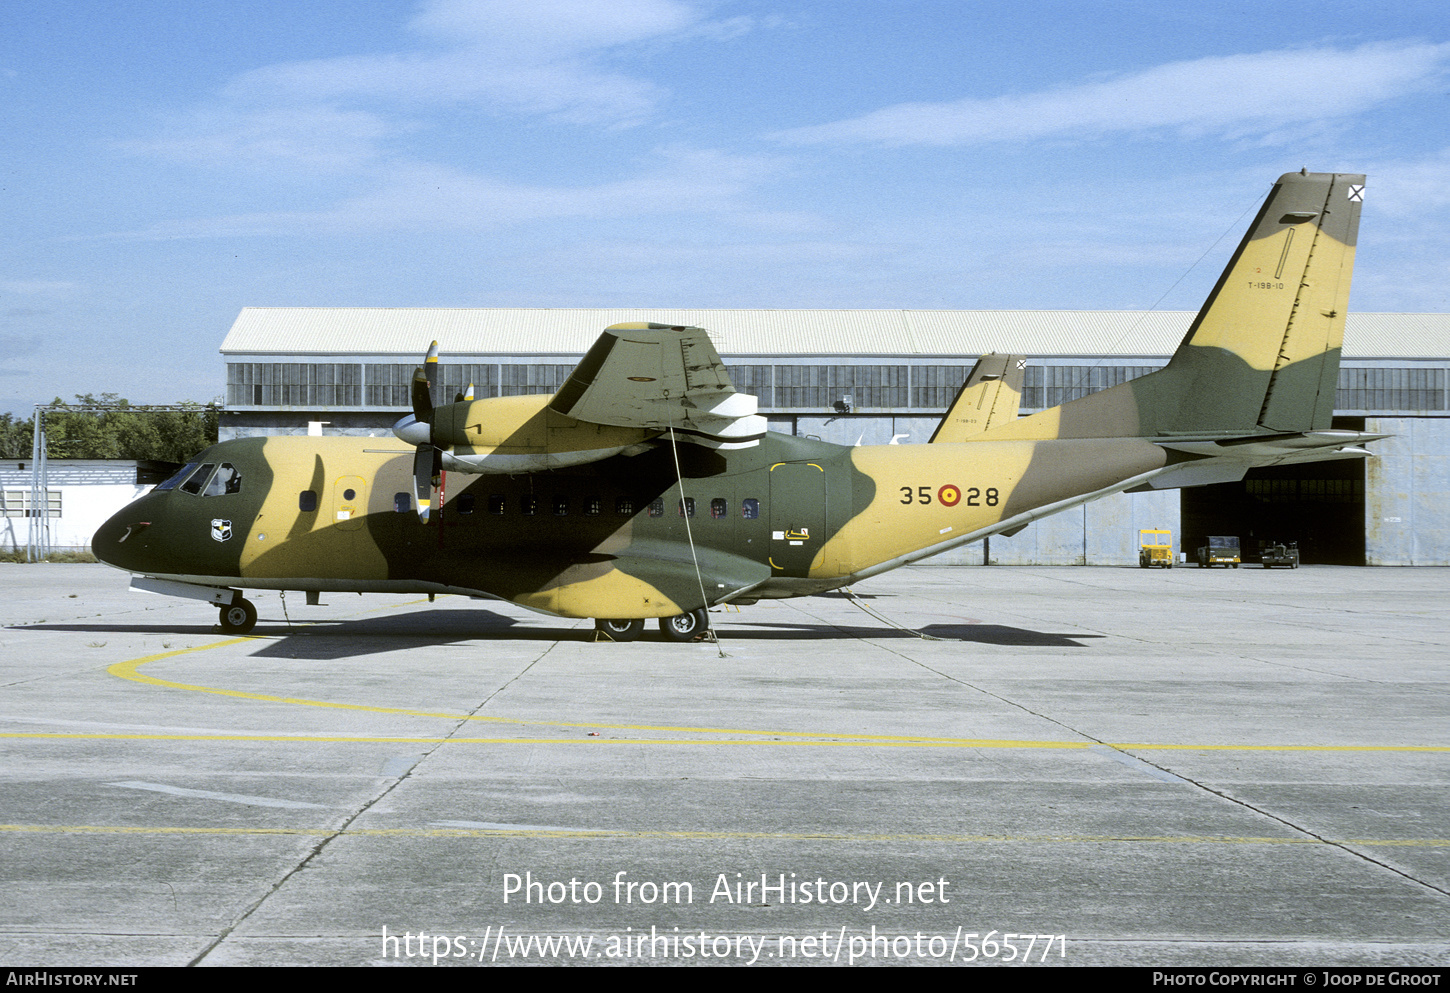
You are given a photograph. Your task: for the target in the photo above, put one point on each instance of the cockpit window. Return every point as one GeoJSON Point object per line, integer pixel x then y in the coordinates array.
{"type": "Point", "coordinates": [198, 479]}
{"type": "Point", "coordinates": [227, 480]}
{"type": "Point", "coordinates": [181, 474]}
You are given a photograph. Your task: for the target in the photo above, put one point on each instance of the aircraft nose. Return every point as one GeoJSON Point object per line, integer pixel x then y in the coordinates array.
{"type": "Point", "coordinates": [123, 540]}
{"type": "Point", "coordinates": [413, 431]}
{"type": "Point", "coordinates": [109, 542]}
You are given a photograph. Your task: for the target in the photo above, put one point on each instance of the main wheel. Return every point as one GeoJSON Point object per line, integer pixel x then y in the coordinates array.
{"type": "Point", "coordinates": [685, 627]}
{"type": "Point", "coordinates": [620, 630]}
{"type": "Point", "coordinates": [239, 618]}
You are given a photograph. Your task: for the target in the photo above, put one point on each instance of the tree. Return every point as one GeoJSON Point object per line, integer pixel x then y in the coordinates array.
{"type": "Point", "coordinates": [109, 427]}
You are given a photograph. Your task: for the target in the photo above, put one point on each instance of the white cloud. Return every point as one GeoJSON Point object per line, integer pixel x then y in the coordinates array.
{"type": "Point", "coordinates": [546, 57]}
{"type": "Point", "coordinates": [553, 25]}
{"type": "Point", "coordinates": [316, 138]}
{"type": "Point", "coordinates": [1414, 188]}
{"type": "Point", "coordinates": [1236, 96]}
{"type": "Point", "coordinates": [422, 196]}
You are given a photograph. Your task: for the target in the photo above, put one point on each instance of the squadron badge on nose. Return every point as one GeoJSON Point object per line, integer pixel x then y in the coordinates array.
{"type": "Point", "coordinates": [221, 530]}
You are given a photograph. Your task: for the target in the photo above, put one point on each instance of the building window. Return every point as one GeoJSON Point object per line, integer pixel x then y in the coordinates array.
{"type": "Point", "coordinates": [295, 384]}
{"type": "Point", "coordinates": [16, 503]}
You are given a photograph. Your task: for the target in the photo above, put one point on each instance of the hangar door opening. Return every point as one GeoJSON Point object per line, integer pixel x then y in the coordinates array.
{"type": "Point", "coordinates": [1320, 505]}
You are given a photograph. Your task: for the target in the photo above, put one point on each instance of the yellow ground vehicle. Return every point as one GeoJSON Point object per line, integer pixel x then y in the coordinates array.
{"type": "Point", "coordinates": [1155, 547]}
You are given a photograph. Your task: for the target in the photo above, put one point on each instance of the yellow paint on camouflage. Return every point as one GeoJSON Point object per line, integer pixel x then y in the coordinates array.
{"type": "Point", "coordinates": [524, 425]}
{"type": "Point", "coordinates": [286, 543]}
{"type": "Point", "coordinates": [991, 397]}
{"type": "Point", "coordinates": [928, 496]}
{"type": "Point", "coordinates": [614, 594]}
{"type": "Point", "coordinates": [898, 522]}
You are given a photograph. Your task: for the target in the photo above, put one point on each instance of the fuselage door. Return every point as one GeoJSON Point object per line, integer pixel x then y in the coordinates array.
{"type": "Point", "coordinates": [349, 502]}
{"type": "Point", "coordinates": [797, 516]}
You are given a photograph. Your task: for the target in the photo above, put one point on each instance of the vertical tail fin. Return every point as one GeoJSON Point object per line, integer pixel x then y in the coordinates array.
{"type": "Point", "coordinates": [989, 398]}
{"type": "Point", "coordinates": [1264, 350]}
{"type": "Point", "coordinates": [1262, 356]}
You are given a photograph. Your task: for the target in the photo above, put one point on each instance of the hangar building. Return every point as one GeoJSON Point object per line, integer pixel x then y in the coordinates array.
{"type": "Point", "coordinates": [874, 376]}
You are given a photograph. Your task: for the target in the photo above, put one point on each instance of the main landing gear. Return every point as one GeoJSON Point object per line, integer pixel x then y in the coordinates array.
{"type": "Point", "coordinates": [239, 618]}
{"type": "Point", "coordinates": [620, 630]}
{"type": "Point", "coordinates": [681, 627]}
{"type": "Point", "coordinates": [686, 627]}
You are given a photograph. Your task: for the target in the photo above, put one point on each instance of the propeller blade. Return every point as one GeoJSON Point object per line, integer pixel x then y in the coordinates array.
{"type": "Point", "coordinates": [418, 430]}
{"type": "Point", "coordinates": [422, 398]}
{"type": "Point", "coordinates": [427, 465]}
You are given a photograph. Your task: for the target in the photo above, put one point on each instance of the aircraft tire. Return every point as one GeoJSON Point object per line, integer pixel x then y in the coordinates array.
{"type": "Point", "coordinates": [622, 630]}
{"type": "Point", "coordinates": [239, 618]}
{"type": "Point", "coordinates": [685, 627]}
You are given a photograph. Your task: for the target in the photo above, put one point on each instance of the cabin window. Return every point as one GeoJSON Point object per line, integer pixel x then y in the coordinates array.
{"type": "Point", "coordinates": [529, 505]}
{"type": "Point", "coordinates": [561, 506]}
{"type": "Point", "coordinates": [181, 474]}
{"type": "Point", "coordinates": [227, 480]}
{"type": "Point", "coordinates": [592, 506]}
{"type": "Point", "coordinates": [657, 507]}
{"type": "Point", "coordinates": [495, 503]}
{"type": "Point", "coordinates": [465, 503]}
{"type": "Point", "coordinates": [624, 507]}
{"type": "Point", "coordinates": [198, 479]}
{"type": "Point", "coordinates": [307, 501]}
{"type": "Point", "coordinates": [687, 507]}
{"type": "Point", "coordinates": [719, 508]}
{"type": "Point", "coordinates": [750, 508]}
{"type": "Point", "coordinates": [402, 502]}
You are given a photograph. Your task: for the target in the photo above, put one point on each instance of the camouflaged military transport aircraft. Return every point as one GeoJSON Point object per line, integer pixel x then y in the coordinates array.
{"type": "Point", "coordinates": [647, 487]}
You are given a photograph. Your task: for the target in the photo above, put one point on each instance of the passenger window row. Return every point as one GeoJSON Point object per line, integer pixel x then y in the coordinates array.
{"type": "Point", "coordinates": [529, 505]}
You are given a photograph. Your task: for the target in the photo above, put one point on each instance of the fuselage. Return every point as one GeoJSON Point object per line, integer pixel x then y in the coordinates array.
{"type": "Point", "coordinates": [623, 537]}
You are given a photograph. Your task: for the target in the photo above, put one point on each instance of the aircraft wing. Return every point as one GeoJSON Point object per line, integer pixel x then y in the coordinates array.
{"type": "Point", "coordinates": [657, 377]}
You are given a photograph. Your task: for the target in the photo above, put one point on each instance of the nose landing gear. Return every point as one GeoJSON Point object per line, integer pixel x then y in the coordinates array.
{"type": "Point", "coordinates": [239, 617]}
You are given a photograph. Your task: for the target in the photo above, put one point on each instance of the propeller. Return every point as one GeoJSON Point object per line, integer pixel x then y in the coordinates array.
{"type": "Point", "coordinates": [417, 430]}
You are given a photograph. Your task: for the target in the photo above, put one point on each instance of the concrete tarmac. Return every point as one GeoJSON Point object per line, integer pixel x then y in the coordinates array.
{"type": "Point", "coordinates": [1088, 766]}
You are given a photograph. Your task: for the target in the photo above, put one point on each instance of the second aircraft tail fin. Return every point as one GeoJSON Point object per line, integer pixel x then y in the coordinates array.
{"type": "Point", "coordinates": [990, 397]}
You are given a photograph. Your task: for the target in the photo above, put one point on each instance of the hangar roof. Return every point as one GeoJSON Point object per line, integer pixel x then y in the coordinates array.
{"type": "Point", "coordinates": [406, 331]}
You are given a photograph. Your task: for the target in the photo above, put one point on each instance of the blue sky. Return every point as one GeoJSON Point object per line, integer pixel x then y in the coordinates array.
{"type": "Point", "coordinates": [164, 164]}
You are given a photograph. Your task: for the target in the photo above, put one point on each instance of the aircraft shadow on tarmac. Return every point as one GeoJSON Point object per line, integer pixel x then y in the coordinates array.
{"type": "Point", "coordinates": [339, 639]}
{"type": "Point", "coordinates": [985, 634]}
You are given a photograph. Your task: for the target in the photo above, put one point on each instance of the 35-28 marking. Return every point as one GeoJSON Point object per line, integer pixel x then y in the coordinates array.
{"type": "Point", "coordinates": [949, 495]}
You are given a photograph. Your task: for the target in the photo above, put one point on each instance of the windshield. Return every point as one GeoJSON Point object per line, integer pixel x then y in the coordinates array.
{"type": "Point", "coordinates": [181, 474]}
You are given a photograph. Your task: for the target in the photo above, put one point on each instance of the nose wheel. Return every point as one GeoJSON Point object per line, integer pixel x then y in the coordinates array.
{"type": "Point", "coordinates": [239, 618]}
